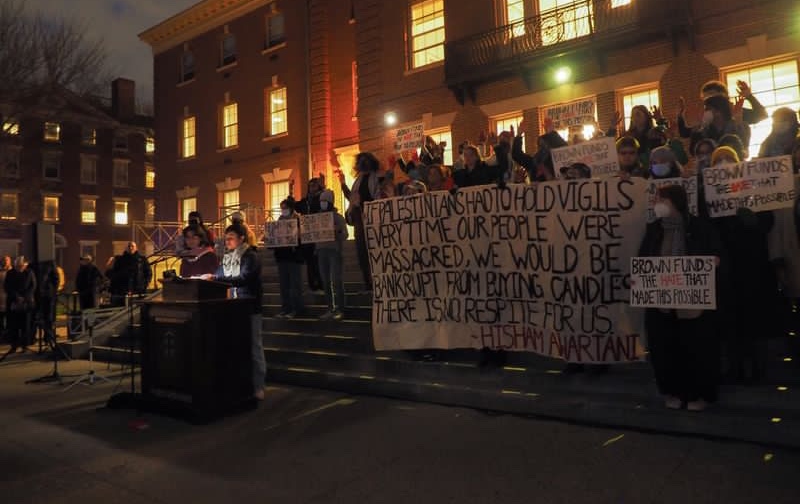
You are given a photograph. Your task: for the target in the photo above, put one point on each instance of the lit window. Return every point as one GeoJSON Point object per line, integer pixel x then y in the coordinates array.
{"type": "Point", "coordinates": [121, 213]}
{"type": "Point", "coordinates": [505, 123]}
{"type": "Point", "coordinates": [149, 177]}
{"type": "Point", "coordinates": [586, 132]}
{"type": "Point", "coordinates": [275, 30]}
{"type": "Point", "coordinates": [11, 127]}
{"type": "Point", "coordinates": [278, 192]}
{"type": "Point", "coordinates": [515, 16]}
{"type": "Point", "coordinates": [188, 143]}
{"type": "Point", "coordinates": [149, 145]}
{"type": "Point", "coordinates": [230, 202]}
{"type": "Point", "coordinates": [440, 136]}
{"type": "Point", "coordinates": [52, 131]}
{"type": "Point", "coordinates": [775, 86]}
{"type": "Point", "coordinates": [9, 161]}
{"type": "Point", "coordinates": [230, 125]}
{"type": "Point", "coordinates": [51, 166]}
{"type": "Point", "coordinates": [89, 136]}
{"type": "Point", "coordinates": [228, 49]}
{"type": "Point", "coordinates": [188, 205]}
{"type": "Point", "coordinates": [277, 111]}
{"type": "Point", "coordinates": [149, 210]}
{"type": "Point", "coordinates": [427, 33]}
{"type": "Point", "coordinates": [563, 20]}
{"type": "Point", "coordinates": [187, 66]}
{"type": "Point", "coordinates": [120, 173]}
{"type": "Point", "coordinates": [647, 97]}
{"type": "Point", "coordinates": [619, 3]}
{"type": "Point", "coordinates": [50, 204]}
{"type": "Point", "coordinates": [88, 170]}
{"type": "Point", "coordinates": [9, 206]}
{"type": "Point", "coordinates": [88, 211]}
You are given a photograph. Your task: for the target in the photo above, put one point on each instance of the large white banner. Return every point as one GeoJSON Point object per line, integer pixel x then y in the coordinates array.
{"type": "Point", "coordinates": [542, 268]}
{"type": "Point", "coordinates": [759, 185]}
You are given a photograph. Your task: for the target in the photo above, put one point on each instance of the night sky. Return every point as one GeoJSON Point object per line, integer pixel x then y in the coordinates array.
{"type": "Point", "coordinates": [118, 23]}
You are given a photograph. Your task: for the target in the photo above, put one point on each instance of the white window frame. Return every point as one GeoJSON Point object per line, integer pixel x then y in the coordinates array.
{"type": "Point", "coordinates": [574, 17]}
{"type": "Point", "coordinates": [227, 56]}
{"type": "Point", "coordinates": [277, 192]}
{"type": "Point", "coordinates": [187, 205]}
{"type": "Point", "coordinates": [85, 220]}
{"type": "Point", "coordinates": [443, 134]}
{"type": "Point", "coordinates": [514, 16]}
{"type": "Point", "coordinates": [504, 122]}
{"type": "Point", "coordinates": [229, 121]}
{"type": "Point", "coordinates": [426, 21]}
{"type": "Point", "coordinates": [50, 198]}
{"type": "Point", "coordinates": [278, 111]}
{"type": "Point", "coordinates": [631, 97]}
{"type": "Point", "coordinates": [189, 137]}
{"type": "Point", "coordinates": [13, 197]}
{"type": "Point", "coordinates": [120, 216]}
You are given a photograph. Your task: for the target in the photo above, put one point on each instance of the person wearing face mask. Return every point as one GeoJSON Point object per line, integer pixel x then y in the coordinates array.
{"type": "Point", "coordinates": [290, 260]}
{"type": "Point", "coordinates": [718, 121]}
{"type": "Point", "coordinates": [782, 137]}
{"type": "Point", "coordinates": [682, 344]}
{"type": "Point", "coordinates": [329, 256]}
{"type": "Point", "coordinates": [663, 163]}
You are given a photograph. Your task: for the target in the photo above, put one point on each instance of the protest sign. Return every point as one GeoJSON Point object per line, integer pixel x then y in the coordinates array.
{"type": "Point", "coordinates": [409, 138]}
{"type": "Point", "coordinates": [318, 227]}
{"type": "Point", "coordinates": [600, 155]}
{"type": "Point", "coordinates": [689, 185]}
{"type": "Point", "coordinates": [676, 282]}
{"type": "Point", "coordinates": [758, 185]}
{"type": "Point", "coordinates": [541, 268]}
{"type": "Point", "coordinates": [281, 233]}
{"type": "Point", "coordinates": [575, 113]}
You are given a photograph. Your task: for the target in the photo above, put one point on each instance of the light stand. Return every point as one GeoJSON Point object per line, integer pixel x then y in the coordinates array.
{"type": "Point", "coordinates": [89, 377]}
{"type": "Point", "coordinates": [50, 338]}
{"type": "Point", "coordinates": [124, 400]}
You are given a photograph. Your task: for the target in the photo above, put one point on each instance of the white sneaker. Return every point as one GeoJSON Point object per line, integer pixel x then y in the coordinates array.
{"type": "Point", "coordinates": [326, 316]}
{"type": "Point", "coordinates": [337, 315]}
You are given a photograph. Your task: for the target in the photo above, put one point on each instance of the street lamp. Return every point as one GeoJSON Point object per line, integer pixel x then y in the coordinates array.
{"type": "Point", "coordinates": [563, 75]}
{"type": "Point", "coordinates": [390, 119]}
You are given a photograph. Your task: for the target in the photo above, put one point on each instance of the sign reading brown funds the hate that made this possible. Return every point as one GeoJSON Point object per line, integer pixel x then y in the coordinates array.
{"type": "Point", "coordinates": [542, 268]}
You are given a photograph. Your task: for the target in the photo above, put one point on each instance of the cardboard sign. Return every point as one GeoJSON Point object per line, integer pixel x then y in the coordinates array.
{"type": "Point", "coordinates": [318, 227]}
{"type": "Point", "coordinates": [540, 268]}
{"type": "Point", "coordinates": [600, 155]}
{"type": "Point", "coordinates": [759, 185]}
{"type": "Point", "coordinates": [409, 138]}
{"type": "Point", "coordinates": [281, 233]}
{"type": "Point", "coordinates": [575, 113]}
{"type": "Point", "coordinates": [678, 282]}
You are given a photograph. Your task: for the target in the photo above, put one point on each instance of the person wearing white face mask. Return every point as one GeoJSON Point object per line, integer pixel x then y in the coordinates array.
{"type": "Point", "coordinates": [663, 163]}
{"type": "Point", "coordinates": [683, 344]}
{"type": "Point", "coordinates": [290, 260]}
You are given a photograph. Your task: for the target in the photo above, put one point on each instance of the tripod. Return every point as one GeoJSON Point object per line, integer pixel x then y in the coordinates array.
{"type": "Point", "coordinates": [49, 337]}
{"type": "Point", "coordinates": [89, 377]}
{"type": "Point", "coordinates": [130, 399]}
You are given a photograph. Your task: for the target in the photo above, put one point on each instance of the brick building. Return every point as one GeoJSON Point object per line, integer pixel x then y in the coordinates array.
{"type": "Point", "coordinates": [83, 166]}
{"type": "Point", "coordinates": [254, 95]}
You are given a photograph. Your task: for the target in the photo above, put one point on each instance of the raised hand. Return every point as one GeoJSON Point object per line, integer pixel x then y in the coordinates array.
{"type": "Point", "coordinates": [657, 115]}
{"type": "Point", "coordinates": [738, 105]}
{"type": "Point", "coordinates": [522, 127]}
{"type": "Point", "coordinates": [743, 88]}
{"type": "Point", "coordinates": [681, 106]}
{"type": "Point", "coordinates": [511, 130]}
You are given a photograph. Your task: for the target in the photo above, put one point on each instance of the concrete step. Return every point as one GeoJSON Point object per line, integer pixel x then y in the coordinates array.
{"type": "Point", "coordinates": [350, 286]}
{"type": "Point", "coordinates": [642, 411]}
{"type": "Point", "coordinates": [351, 299]}
{"type": "Point", "coordinates": [317, 341]}
{"type": "Point", "coordinates": [312, 325]}
{"type": "Point", "coordinates": [318, 307]}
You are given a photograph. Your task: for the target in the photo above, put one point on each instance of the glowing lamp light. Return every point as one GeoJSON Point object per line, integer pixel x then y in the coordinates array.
{"type": "Point", "coordinates": [390, 119]}
{"type": "Point", "coordinates": [776, 419]}
{"type": "Point", "coordinates": [787, 359]}
{"type": "Point", "coordinates": [563, 75]}
{"type": "Point", "coordinates": [782, 388]}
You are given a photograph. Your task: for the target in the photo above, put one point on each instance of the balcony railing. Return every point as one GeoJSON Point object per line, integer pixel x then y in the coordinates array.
{"type": "Point", "coordinates": [579, 23]}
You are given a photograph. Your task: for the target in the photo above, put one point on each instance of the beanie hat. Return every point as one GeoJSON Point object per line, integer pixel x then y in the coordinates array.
{"type": "Point", "coordinates": [720, 151]}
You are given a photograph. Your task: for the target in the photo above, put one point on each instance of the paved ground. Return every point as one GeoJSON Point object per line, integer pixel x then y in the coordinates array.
{"type": "Point", "coordinates": [308, 446]}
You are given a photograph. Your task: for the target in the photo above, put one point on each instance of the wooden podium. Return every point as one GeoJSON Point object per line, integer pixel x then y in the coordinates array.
{"type": "Point", "coordinates": [196, 351]}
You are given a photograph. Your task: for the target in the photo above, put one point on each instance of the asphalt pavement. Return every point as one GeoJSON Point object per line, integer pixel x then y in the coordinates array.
{"type": "Point", "coordinates": [61, 445]}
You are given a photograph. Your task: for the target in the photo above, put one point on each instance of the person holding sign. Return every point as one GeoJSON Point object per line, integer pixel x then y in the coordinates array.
{"type": "Point", "coordinates": [682, 343]}
{"type": "Point", "coordinates": [290, 260]}
{"type": "Point", "coordinates": [329, 256]}
{"type": "Point", "coordinates": [477, 172]}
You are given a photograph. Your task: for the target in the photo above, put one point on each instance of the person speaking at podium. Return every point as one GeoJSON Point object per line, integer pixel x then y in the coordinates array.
{"type": "Point", "coordinates": [241, 269]}
{"type": "Point", "coordinates": [197, 257]}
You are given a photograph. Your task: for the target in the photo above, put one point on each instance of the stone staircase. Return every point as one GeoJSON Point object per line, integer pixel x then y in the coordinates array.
{"type": "Point", "coordinates": [340, 356]}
